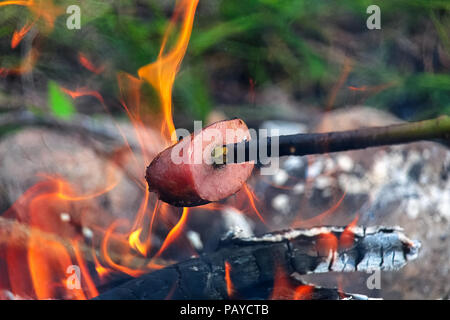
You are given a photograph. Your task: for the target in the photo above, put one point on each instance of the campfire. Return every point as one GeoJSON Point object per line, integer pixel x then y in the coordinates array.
{"type": "Point", "coordinates": [119, 220]}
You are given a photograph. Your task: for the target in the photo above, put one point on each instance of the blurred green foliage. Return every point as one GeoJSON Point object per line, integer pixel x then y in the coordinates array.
{"type": "Point", "coordinates": [60, 105]}
{"type": "Point", "coordinates": [297, 45]}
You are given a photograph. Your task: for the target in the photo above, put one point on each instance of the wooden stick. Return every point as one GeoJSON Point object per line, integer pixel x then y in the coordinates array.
{"type": "Point", "coordinates": [318, 143]}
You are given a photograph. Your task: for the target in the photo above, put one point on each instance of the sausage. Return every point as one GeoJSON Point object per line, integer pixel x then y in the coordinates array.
{"type": "Point", "coordinates": [184, 175]}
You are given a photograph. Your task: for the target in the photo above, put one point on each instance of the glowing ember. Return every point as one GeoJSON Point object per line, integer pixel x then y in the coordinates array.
{"type": "Point", "coordinates": [85, 62]}
{"type": "Point", "coordinates": [327, 244]}
{"type": "Point", "coordinates": [303, 292]}
{"type": "Point", "coordinates": [19, 35]}
{"type": "Point", "coordinates": [83, 92]}
{"type": "Point", "coordinates": [285, 288]}
{"type": "Point", "coordinates": [230, 287]}
{"type": "Point", "coordinates": [347, 237]}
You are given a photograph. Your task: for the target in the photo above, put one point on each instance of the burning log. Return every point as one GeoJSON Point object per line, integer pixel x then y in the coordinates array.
{"type": "Point", "coordinates": [253, 262]}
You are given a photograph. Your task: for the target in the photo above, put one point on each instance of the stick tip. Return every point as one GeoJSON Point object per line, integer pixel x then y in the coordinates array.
{"type": "Point", "coordinates": [219, 155]}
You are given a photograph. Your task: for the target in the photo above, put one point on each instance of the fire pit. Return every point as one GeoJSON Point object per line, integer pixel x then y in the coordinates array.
{"type": "Point", "coordinates": [97, 206]}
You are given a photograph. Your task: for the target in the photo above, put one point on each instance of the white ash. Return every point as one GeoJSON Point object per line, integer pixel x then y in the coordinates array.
{"type": "Point", "coordinates": [330, 164]}
{"type": "Point", "coordinates": [412, 208]}
{"type": "Point", "coordinates": [237, 222]}
{"type": "Point", "coordinates": [323, 182]}
{"type": "Point", "coordinates": [281, 203]}
{"type": "Point", "coordinates": [64, 216]}
{"type": "Point", "coordinates": [345, 163]}
{"type": "Point", "coordinates": [420, 191]}
{"type": "Point", "coordinates": [293, 163]}
{"type": "Point", "coordinates": [280, 177]}
{"type": "Point", "coordinates": [353, 184]}
{"type": "Point", "coordinates": [426, 154]}
{"type": "Point", "coordinates": [299, 188]}
{"type": "Point", "coordinates": [315, 169]}
{"type": "Point", "coordinates": [87, 232]}
{"type": "Point", "coordinates": [327, 192]}
{"type": "Point", "coordinates": [443, 206]}
{"type": "Point", "coordinates": [312, 232]}
{"type": "Point", "coordinates": [379, 249]}
{"type": "Point", "coordinates": [8, 295]}
{"type": "Point", "coordinates": [195, 239]}
{"type": "Point", "coordinates": [291, 234]}
{"type": "Point", "coordinates": [322, 267]}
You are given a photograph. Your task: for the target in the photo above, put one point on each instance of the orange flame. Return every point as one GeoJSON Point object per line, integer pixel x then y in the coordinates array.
{"type": "Point", "coordinates": [82, 92]}
{"type": "Point", "coordinates": [91, 288]}
{"type": "Point", "coordinates": [47, 10]}
{"type": "Point", "coordinates": [101, 270]}
{"type": "Point", "coordinates": [52, 209]}
{"type": "Point", "coordinates": [327, 244]}
{"type": "Point", "coordinates": [285, 288]}
{"type": "Point", "coordinates": [347, 237]}
{"type": "Point", "coordinates": [372, 89]}
{"type": "Point", "coordinates": [340, 283]}
{"type": "Point", "coordinates": [40, 269]}
{"type": "Point", "coordinates": [175, 232]}
{"type": "Point", "coordinates": [251, 198]}
{"type": "Point", "coordinates": [46, 255]}
{"type": "Point", "coordinates": [44, 9]}
{"type": "Point", "coordinates": [45, 270]}
{"type": "Point", "coordinates": [64, 191]}
{"type": "Point", "coordinates": [303, 292]}
{"type": "Point", "coordinates": [85, 62]}
{"type": "Point", "coordinates": [161, 73]}
{"type": "Point", "coordinates": [19, 35]}
{"type": "Point", "coordinates": [319, 219]}
{"type": "Point", "coordinates": [230, 286]}
{"type": "Point", "coordinates": [105, 252]}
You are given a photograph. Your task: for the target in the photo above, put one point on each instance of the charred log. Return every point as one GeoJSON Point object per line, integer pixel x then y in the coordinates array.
{"type": "Point", "coordinates": [254, 262]}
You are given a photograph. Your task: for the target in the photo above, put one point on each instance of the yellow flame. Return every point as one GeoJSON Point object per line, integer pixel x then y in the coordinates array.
{"type": "Point", "coordinates": [47, 260]}
{"type": "Point", "coordinates": [175, 232]}
{"type": "Point", "coordinates": [161, 73]}
{"type": "Point", "coordinates": [17, 3]}
{"type": "Point", "coordinates": [136, 243]}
